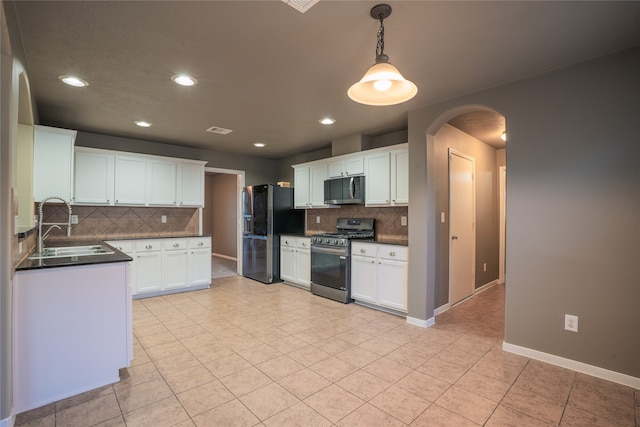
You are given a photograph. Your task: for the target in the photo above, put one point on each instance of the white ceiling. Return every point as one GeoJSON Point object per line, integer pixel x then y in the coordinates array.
{"type": "Point", "coordinates": [269, 72]}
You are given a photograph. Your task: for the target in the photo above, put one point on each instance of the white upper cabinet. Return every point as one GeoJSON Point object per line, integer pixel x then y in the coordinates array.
{"type": "Point", "coordinates": [309, 185]}
{"type": "Point", "coordinates": [53, 162]}
{"type": "Point", "coordinates": [130, 176]}
{"type": "Point", "coordinates": [161, 182]}
{"type": "Point", "coordinates": [386, 170]}
{"type": "Point", "coordinates": [105, 177]}
{"type": "Point", "coordinates": [191, 183]}
{"type": "Point", "coordinates": [400, 177]}
{"type": "Point", "coordinates": [346, 166]}
{"type": "Point", "coordinates": [302, 186]}
{"type": "Point", "coordinates": [387, 175]}
{"type": "Point", "coordinates": [378, 185]}
{"type": "Point", "coordinates": [93, 177]}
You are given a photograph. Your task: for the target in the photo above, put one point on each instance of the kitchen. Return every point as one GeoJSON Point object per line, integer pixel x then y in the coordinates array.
{"type": "Point", "coordinates": [423, 301]}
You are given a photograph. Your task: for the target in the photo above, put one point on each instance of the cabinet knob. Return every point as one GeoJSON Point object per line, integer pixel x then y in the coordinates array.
{"type": "Point", "coordinates": [119, 248]}
{"type": "Point", "coordinates": [200, 243]}
{"type": "Point", "coordinates": [362, 250]}
{"type": "Point", "coordinates": [304, 244]}
{"type": "Point", "coordinates": [286, 242]}
{"type": "Point", "coordinates": [175, 245]}
{"type": "Point", "coordinates": [148, 247]}
{"type": "Point", "coordinates": [392, 253]}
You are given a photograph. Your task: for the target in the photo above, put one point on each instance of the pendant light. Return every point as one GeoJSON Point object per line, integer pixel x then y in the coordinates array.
{"type": "Point", "coordinates": [382, 84]}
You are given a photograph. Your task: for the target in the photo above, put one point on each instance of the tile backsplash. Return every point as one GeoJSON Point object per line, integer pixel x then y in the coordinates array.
{"type": "Point", "coordinates": [123, 221]}
{"type": "Point", "coordinates": [388, 220]}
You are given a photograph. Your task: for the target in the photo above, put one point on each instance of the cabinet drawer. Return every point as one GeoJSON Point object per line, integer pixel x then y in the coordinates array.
{"type": "Point", "coordinates": [303, 243]}
{"type": "Point", "coordinates": [287, 241]}
{"type": "Point", "coordinates": [398, 253]}
{"type": "Point", "coordinates": [174, 244]}
{"type": "Point", "coordinates": [148, 245]}
{"type": "Point", "coordinates": [364, 249]}
{"type": "Point", "coordinates": [200, 242]}
{"type": "Point", "coordinates": [124, 246]}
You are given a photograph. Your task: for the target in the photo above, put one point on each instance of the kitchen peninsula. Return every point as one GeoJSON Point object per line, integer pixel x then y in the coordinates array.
{"type": "Point", "coordinates": [73, 326]}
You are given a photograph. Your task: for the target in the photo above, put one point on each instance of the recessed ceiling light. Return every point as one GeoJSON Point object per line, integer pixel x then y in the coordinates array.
{"type": "Point", "coordinates": [143, 124]}
{"type": "Point", "coordinates": [327, 121]}
{"type": "Point", "coordinates": [73, 81]}
{"type": "Point", "coordinates": [259, 144]}
{"type": "Point", "coordinates": [184, 80]}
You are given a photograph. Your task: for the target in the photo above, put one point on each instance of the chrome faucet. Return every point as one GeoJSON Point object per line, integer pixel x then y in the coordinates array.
{"type": "Point", "coordinates": [42, 237]}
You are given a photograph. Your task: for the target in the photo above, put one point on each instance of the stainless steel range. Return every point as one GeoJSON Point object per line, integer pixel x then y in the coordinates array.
{"type": "Point", "coordinates": [331, 258]}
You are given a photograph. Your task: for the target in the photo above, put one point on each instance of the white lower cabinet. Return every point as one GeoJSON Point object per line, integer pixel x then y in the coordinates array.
{"type": "Point", "coordinates": [295, 260]}
{"type": "Point", "coordinates": [167, 265]}
{"type": "Point", "coordinates": [148, 266]}
{"type": "Point", "coordinates": [199, 261]}
{"type": "Point", "coordinates": [379, 274]}
{"type": "Point", "coordinates": [175, 264]}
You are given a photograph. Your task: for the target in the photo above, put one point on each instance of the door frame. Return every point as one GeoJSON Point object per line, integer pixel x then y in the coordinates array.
{"type": "Point", "coordinates": [454, 152]}
{"type": "Point", "coordinates": [239, 186]}
{"type": "Point", "coordinates": [502, 179]}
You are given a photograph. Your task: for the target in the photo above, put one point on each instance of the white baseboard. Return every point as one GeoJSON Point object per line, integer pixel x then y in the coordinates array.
{"type": "Point", "coordinates": [441, 309]}
{"type": "Point", "coordinates": [574, 365]}
{"type": "Point", "coordinates": [225, 256]}
{"type": "Point", "coordinates": [485, 287]}
{"type": "Point", "coordinates": [422, 323]}
{"type": "Point", "coordinates": [7, 422]}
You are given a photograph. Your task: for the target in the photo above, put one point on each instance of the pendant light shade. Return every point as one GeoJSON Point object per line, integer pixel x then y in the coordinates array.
{"type": "Point", "coordinates": [382, 84]}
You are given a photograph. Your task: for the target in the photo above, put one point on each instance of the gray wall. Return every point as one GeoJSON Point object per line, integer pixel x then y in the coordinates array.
{"type": "Point", "coordinates": [486, 187]}
{"type": "Point", "coordinates": [257, 170]}
{"type": "Point", "coordinates": [573, 203]}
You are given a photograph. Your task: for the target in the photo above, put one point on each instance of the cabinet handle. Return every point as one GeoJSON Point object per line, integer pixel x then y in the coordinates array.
{"type": "Point", "coordinates": [148, 247]}
{"type": "Point", "coordinates": [175, 245]}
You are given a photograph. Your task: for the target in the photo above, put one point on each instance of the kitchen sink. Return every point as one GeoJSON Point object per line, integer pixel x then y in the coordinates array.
{"type": "Point", "coordinates": [71, 251]}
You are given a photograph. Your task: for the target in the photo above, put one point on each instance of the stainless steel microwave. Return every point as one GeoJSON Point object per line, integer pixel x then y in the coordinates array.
{"type": "Point", "coordinates": [344, 191]}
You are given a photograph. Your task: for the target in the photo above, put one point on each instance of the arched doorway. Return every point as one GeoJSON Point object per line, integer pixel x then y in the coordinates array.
{"type": "Point", "coordinates": [467, 145]}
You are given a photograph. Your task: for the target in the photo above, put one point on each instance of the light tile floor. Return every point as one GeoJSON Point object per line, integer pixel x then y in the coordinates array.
{"type": "Point", "coordinates": [243, 354]}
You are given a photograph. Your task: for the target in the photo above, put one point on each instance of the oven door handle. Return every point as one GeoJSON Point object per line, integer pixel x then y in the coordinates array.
{"type": "Point", "coordinates": [326, 250]}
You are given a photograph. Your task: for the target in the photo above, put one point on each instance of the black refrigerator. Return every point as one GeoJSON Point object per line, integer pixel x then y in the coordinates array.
{"type": "Point", "coordinates": [267, 213]}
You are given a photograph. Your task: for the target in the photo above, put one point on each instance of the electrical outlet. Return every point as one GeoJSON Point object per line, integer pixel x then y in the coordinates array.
{"type": "Point", "coordinates": [318, 220]}
{"type": "Point", "coordinates": [163, 219]}
{"type": "Point", "coordinates": [571, 323]}
{"type": "Point", "coordinates": [74, 219]}
{"type": "Point", "coordinates": [403, 220]}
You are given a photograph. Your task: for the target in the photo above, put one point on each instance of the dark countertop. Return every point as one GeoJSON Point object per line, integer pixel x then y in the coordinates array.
{"type": "Point", "coordinates": [391, 241]}
{"type": "Point", "coordinates": [34, 264]}
{"type": "Point", "coordinates": [135, 237]}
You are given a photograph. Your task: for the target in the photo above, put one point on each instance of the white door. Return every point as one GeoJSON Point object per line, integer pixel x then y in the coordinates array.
{"type": "Point", "coordinates": [461, 227]}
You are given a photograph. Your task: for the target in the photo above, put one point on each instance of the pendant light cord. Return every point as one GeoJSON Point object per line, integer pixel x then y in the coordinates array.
{"type": "Point", "coordinates": [380, 45]}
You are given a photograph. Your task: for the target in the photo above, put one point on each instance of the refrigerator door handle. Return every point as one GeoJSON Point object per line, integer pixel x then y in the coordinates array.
{"type": "Point", "coordinates": [352, 188]}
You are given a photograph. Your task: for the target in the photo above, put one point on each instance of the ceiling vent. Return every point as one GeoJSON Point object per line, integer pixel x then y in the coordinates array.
{"type": "Point", "coordinates": [221, 131]}
{"type": "Point", "coordinates": [301, 5]}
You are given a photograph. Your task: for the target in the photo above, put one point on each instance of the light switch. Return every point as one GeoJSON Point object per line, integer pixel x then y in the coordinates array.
{"type": "Point", "coordinates": [442, 217]}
